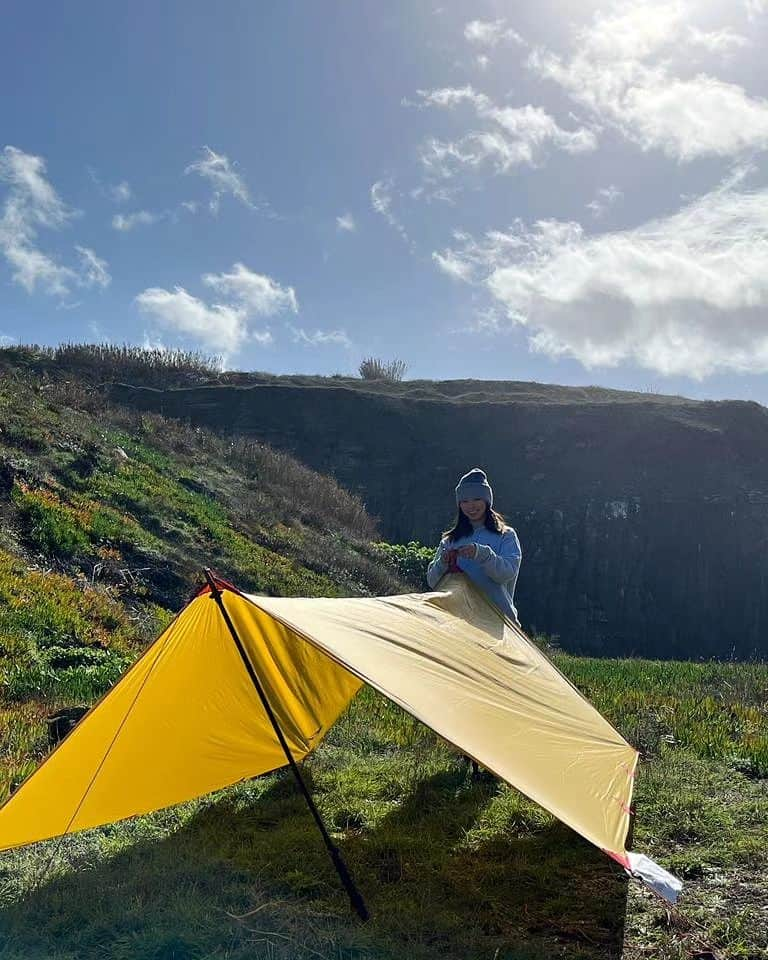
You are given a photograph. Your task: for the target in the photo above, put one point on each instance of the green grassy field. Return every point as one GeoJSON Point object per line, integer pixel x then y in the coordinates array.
{"type": "Point", "coordinates": [449, 867]}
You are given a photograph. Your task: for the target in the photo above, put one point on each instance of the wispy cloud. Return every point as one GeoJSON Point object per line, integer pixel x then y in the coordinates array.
{"type": "Point", "coordinates": [33, 270]}
{"type": "Point", "coordinates": [223, 326]}
{"type": "Point", "coordinates": [627, 68]}
{"type": "Point", "coordinates": [320, 338]}
{"type": "Point", "coordinates": [32, 200]}
{"type": "Point", "coordinates": [604, 199]}
{"type": "Point", "coordinates": [686, 294]}
{"type": "Point", "coordinates": [489, 33]}
{"type": "Point", "coordinates": [32, 203]}
{"type": "Point", "coordinates": [346, 223]}
{"type": "Point", "coordinates": [121, 192]}
{"type": "Point", "coordinates": [381, 201]}
{"type": "Point", "coordinates": [220, 173]}
{"type": "Point", "coordinates": [455, 265]}
{"type": "Point", "coordinates": [94, 271]}
{"type": "Point", "coordinates": [513, 136]}
{"type": "Point", "coordinates": [723, 42]}
{"type": "Point", "coordinates": [116, 192]}
{"type": "Point", "coordinates": [128, 221]}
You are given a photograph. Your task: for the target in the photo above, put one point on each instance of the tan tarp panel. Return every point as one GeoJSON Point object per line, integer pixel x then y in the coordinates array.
{"type": "Point", "coordinates": [451, 659]}
{"type": "Point", "coordinates": [186, 720]}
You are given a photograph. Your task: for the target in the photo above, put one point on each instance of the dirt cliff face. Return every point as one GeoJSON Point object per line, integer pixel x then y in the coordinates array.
{"type": "Point", "coordinates": [643, 519]}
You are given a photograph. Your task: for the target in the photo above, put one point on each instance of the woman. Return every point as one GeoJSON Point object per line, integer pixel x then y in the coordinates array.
{"type": "Point", "coordinates": [480, 544]}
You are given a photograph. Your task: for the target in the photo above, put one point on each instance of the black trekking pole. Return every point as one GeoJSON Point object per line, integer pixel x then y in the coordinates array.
{"type": "Point", "coordinates": [355, 896]}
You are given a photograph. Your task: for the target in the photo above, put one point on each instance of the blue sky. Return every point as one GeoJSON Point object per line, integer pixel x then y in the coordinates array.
{"type": "Point", "coordinates": [555, 191]}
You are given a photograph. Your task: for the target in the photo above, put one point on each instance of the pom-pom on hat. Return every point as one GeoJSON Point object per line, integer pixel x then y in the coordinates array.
{"type": "Point", "coordinates": [474, 486]}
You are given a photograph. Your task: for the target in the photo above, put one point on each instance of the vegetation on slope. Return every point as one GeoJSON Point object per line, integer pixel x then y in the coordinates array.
{"type": "Point", "coordinates": [141, 503]}
{"type": "Point", "coordinates": [105, 363]}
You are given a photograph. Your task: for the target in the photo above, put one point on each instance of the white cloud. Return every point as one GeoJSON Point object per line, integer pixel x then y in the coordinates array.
{"type": "Point", "coordinates": [724, 41]}
{"type": "Point", "coordinates": [514, 135]}
{"type": "Point", "coordinates": [116, 192]}
{"type": "Point", "coordinates": [605, 198]}
{"type": "Point", "coordinates": [121, 192]}
{"type": "Point", "coordinates": [755, 8]}
{"type": "Point", "coordinates": [381, 201]}
{"type": "Point", "coordinates": [346, 223]}
{"type": "Point", "coordinates": [627, 67]}
{"type": "Point", "coordinates": [6, 341]}
{"type": "Point", "coordinates": [634, 30]}
{"type": "Point", "coordinates": [489, 33]}
{"type": "Point", "coordinates": [264, 337]}
{"type": "Point", "coordinates": [31, 204]}
{"type": "Point", "coordinates": [128, 221]}
{"type": "Point", "coordinates": [452, 97]}
{"type": "Point", "coordinates": [218, 326]}
{"type": "Point", "coordinates": [319, 338]}
{"type": "Point", "coordinates": [686, 294]}
{"type": "Point", "coordinates": [190, 206]}
{"type": "Point", "coordinates": [32, 201]}
{"type": "Point", "coordinates": [226, 326]}
{"type": "Point", "coordinates": [255, 292]}
{"type": "Point", "coordinates": [454, 265]}
{"type": "Point", "coordinates": [33, 269]}
{"type": "Point", "coordinates": [223, 178]}
{"type": "Point", "coordinates": [94, 270]}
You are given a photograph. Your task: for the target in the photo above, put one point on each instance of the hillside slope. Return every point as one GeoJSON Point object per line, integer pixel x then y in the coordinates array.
{"type": "Point", "coordinates": [107, 518]}
{"type": "Point", "coordinates": [127, 498]}
{"type": "Point", "coordinates": [643, 519]}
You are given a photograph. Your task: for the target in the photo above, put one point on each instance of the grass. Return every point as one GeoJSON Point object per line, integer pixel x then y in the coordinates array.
{"type": "Point", "coordinates": [99, 363]}
{"type": "Point", "coordinates": [714, 710]}
{"type": "Point", "coordinates": [448, 866]}
{"type": "Point", "coordinates": [104, 361]}
{"type": "Point", "coordinates": [62, 643]}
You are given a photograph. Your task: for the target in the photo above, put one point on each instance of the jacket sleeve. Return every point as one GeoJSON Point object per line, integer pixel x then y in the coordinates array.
{"type": "Point", "coordinates": [504, 565]}
{"type": "Point", "coordinates": [437, 568]}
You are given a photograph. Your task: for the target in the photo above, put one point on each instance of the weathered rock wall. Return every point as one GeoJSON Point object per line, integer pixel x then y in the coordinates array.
{"type": "Point", "coordinates": [644, 522]}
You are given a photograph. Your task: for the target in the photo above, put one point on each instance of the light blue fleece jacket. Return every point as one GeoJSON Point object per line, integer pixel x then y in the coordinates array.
{"type": "Point", "coordinates": [495, 569]}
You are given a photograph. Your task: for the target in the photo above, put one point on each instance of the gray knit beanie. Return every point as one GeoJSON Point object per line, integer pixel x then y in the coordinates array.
{"type": "Point", "coordinates": [474, 486]}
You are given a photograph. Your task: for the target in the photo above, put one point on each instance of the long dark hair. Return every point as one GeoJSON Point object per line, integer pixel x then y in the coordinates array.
{"type": "Point", "coordinates": [493, 521]}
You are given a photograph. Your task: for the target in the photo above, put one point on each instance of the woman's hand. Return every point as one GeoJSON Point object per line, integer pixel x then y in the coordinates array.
{"type": "Point", "coordinates": [469, 551]}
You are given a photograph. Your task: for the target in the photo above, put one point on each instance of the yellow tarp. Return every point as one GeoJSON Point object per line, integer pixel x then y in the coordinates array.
{"type": "Point", "coordinates": [186, 720]}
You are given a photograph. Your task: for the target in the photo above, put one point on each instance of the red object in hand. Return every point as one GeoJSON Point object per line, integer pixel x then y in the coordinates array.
{"type": "Point", "coordinates": [452, 566]}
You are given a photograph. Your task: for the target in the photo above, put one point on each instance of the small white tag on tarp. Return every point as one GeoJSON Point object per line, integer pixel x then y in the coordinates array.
{"type": "Point", "coordinates": [657, 878]}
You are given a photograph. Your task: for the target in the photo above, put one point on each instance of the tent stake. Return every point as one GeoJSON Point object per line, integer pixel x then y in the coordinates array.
{"type": "Point", "coordinates": [355, 896]}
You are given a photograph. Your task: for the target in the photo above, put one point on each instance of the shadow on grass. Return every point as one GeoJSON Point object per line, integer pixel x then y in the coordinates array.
{"type": "Point", "coordinates": [248, 876]}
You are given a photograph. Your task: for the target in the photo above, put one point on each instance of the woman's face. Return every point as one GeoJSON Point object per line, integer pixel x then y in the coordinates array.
{"type": "Point", "coordinates": [473, 510]}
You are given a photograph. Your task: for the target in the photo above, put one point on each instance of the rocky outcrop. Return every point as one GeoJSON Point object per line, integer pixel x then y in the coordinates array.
{"type": "Point", "coordinates": [643, 519]}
